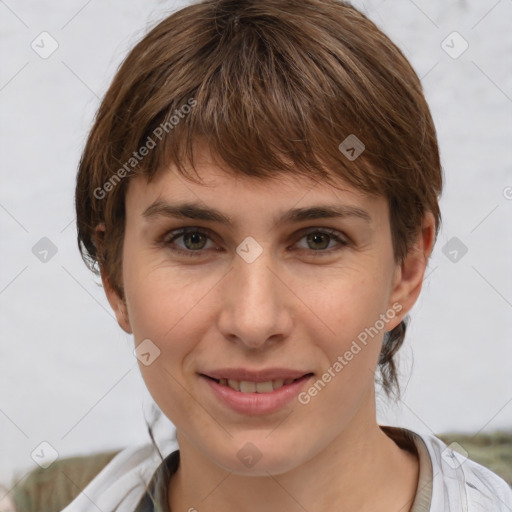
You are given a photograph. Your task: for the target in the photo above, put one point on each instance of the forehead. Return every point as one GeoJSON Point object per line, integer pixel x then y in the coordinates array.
{"type": "Point", "coordinates": [240, 202]}
{"type": "Point", "coordinates": [226, 195]}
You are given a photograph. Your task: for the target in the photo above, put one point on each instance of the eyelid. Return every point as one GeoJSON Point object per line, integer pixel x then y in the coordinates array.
{"type": "Point", "coordinates": [330, 231]}
{"type": "Point", "coordinates": [171, 235]}
{"type": "Point", "coordinates": [338, 236]}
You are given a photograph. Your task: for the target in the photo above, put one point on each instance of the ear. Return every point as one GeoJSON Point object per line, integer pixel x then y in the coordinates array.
{"type": "Point", "coordinates": [408, 277]}
{"type": "Point", "coordinates": [117, 303]}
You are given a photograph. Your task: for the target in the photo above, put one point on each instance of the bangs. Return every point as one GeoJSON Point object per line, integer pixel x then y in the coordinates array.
{"type": "Point", "coordinates": [264, 105]}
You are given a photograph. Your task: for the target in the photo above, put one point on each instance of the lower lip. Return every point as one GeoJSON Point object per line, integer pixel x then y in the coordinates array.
{"type": "Point", "coordinates": [257, 403]}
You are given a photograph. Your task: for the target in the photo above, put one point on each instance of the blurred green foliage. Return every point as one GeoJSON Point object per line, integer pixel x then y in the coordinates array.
{"type": "Point", "coordinates": [493, 450]}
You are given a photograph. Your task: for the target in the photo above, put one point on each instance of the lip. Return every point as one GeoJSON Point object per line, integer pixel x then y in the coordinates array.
{"type": "Point", "coordinates": [256, 403]}
{"type": "Point", "coordinates": [255, 375]}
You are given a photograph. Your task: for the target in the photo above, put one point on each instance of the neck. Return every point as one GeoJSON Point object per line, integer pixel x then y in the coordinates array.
{"type": "Point", "coordinates": [361, 469]}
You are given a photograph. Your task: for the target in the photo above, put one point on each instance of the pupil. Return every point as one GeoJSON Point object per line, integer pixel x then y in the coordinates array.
{"type": "Point", "coordinates": [194, 237]}
{"type": "Point", "coordinates": [315, 239]}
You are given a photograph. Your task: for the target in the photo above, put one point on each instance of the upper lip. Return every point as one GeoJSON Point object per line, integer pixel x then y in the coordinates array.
{"type": "Point", "coordinates": [244, 374]}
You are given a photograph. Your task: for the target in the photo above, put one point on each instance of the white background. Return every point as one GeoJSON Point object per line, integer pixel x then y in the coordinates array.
{"type": "Point", "coordinates": [67, 373]}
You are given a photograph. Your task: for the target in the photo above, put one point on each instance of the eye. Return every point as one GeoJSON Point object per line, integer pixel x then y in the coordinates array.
{"type": "Point", "coordinates": [194, 241]}
{"type": "Point", "coordinates": [318, 240]}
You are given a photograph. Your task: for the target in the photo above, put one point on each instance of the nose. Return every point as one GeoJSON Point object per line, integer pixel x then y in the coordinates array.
{"type": "Point", "coordinates": [255, 304]}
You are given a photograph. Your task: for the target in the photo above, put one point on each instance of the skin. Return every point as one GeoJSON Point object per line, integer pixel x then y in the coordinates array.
{"type": "Point", "coordinates": [292, 307]}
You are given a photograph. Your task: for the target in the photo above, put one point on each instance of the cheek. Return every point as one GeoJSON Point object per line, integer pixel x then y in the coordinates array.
{"type": "Point", "coordinates": [349, 334]}
{"type": "Point", "coordinates": [349, 346]}
{"type": "Point", "coordinates": [161, 298]}
{"type": "Point", "coordinates": [172, 319]}
{"type": "Point", "coordinates": [346, 307]}
{"type": "Point", "coordinates": [167, 308]}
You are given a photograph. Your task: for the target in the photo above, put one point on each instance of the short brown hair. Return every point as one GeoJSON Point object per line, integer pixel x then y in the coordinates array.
{"type": "Point", "coordinates": [272, 86]}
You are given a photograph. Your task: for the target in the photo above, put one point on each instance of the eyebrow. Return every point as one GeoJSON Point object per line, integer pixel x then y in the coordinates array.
{"type": "Point", "coordinates": [190, 210]}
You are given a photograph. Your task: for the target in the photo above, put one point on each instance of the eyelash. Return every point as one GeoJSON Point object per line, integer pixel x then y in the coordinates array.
{"type": "Point", "coordinates": [171, 236]}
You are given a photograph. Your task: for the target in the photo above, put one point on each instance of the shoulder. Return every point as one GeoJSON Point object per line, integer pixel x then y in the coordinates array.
{"type": "Point", "coordinates": [460, 483]}
{"type": "Point", "coordinates": [122, 482]}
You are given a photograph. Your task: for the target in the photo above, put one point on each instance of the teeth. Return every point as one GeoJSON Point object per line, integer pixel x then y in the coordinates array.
{"type": "Point", "coordinates": [264, 387]}
{"type": "Point", "coordinates": [255, 387]}
{"type": "Point", "coordinates": [247, 387]}
{"type": "Point", "coordinates": [278, 383]}
{"type": "Point", "coordinates": [234, 384]}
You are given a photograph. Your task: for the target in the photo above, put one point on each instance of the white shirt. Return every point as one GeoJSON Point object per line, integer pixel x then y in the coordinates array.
{"type": "Point", "coordinates": [448, 482]}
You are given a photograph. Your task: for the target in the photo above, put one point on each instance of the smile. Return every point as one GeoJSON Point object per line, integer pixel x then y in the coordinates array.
{"type": "Point", "coordinates": [266, 396]}
{"type": "Point", "coordinates": [245, 386]}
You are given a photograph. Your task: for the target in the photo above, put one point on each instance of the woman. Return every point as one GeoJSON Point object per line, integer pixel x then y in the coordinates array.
{"type": "Point", "coordinates": [260, 194]}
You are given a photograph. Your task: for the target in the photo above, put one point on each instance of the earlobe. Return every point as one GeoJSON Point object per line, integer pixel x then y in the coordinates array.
{"type": "Point", "coordinates": [408, 277]}
{"type": "Point", "coordinates": [117, 304]}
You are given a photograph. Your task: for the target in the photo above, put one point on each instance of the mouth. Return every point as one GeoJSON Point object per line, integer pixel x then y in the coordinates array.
{"type": "Point", "coordinates": [245, 386]}
{"type": "Point", "coordinates": [255, 392]}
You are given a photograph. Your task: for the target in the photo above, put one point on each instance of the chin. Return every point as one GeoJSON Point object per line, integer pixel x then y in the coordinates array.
{"type": "Point", "coordinates": [255, 457]}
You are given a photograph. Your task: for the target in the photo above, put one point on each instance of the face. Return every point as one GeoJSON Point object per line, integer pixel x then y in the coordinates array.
{"type": "Point", "coordinates": [284, 291]}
